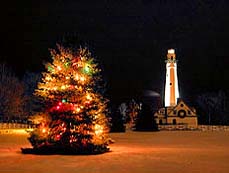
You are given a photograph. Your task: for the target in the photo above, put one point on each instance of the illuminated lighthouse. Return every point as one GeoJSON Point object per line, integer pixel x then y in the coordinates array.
{"type": "Point", "coordinates": [175, 111]}
{"type": "Point", "coordinates": [171, 84]}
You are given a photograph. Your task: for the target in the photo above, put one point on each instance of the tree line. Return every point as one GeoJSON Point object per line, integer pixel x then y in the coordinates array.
{"type": "Point", "coordinates": [17, 101]}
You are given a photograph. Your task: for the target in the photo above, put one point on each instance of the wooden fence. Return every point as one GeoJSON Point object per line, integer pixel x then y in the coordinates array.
{"type": "Point", "coordinates": [7, 126]}
{"type": "Point", "coordinates": [15, 126]}
{"type": "Point", "coordinates": [199, 127]}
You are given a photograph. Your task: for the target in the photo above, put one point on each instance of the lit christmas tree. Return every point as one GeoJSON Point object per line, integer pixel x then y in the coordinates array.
{"type": "Point", "coordinates": [75, 119]}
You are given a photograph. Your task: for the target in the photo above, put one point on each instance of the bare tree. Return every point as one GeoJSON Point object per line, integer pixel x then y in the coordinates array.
{"type": "Point", "coordinates": [213, 105]}
{"type": "Point", "coordinates": [32, 104]}
{"type": "Point", "coordinates": [11, 95]}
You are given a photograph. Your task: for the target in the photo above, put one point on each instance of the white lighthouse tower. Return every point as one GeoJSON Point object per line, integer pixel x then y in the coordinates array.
{"type": "Point", "coordinates": [171, 84]}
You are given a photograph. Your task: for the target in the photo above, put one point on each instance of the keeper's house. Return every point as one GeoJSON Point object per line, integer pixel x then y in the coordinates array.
{"type": "Point", "coordinates": [179, 114]}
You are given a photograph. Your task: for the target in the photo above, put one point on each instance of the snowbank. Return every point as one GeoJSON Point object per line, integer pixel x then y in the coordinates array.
{"type": "Point", "coordinates": [134, 152]}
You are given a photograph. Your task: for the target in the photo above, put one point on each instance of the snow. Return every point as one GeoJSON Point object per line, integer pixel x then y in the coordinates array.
{"type": "Point", "coordinates": [134, 152]}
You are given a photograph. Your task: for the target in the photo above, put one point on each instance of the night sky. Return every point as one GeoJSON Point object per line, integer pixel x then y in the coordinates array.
{"type": "Point", "coordinates": [130, 39]}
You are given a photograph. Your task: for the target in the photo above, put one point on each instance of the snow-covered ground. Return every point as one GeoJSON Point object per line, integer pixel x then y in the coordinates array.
{"type": "Point", "coordinates": [133, 152]}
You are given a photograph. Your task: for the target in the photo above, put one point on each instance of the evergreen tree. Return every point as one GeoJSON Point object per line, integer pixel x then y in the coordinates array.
{"type": "Point", "coordinates": [117, 120]}
{"type": "Point", "coordinates": [74, 120]}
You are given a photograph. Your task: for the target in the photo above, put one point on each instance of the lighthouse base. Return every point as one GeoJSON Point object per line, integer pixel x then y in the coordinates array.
{"type": "Point", "coordinates": [179, 114]}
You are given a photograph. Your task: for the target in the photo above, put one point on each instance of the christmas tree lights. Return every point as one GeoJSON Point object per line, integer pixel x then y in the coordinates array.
{"type": "Point", "coordinates": [75, 120]}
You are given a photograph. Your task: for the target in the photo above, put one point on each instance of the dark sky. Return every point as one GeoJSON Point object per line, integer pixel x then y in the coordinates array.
{"type": "Point", "coordinates": [130, 39]}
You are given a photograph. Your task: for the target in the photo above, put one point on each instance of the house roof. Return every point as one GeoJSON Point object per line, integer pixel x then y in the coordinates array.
{"type": "Point", "coordinates": [181, 105]}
